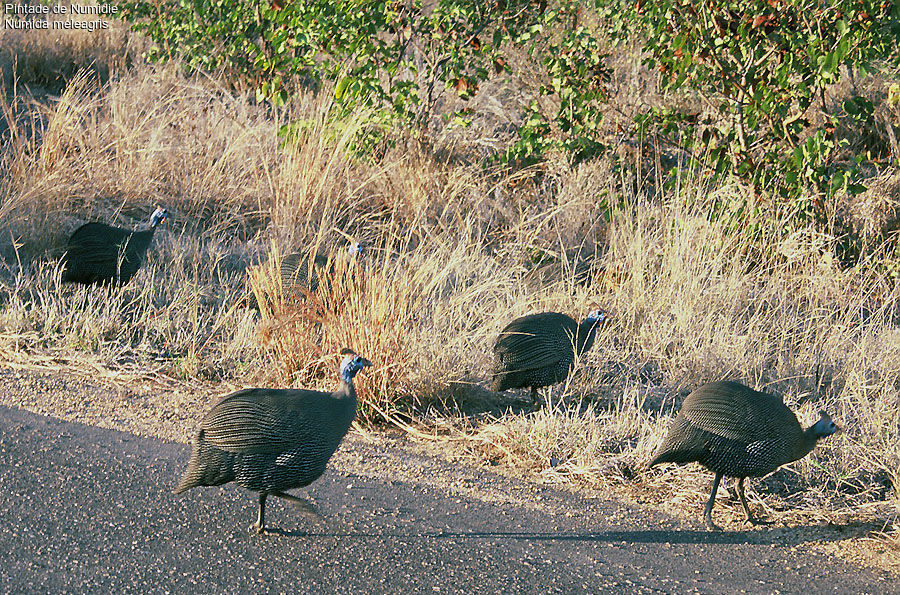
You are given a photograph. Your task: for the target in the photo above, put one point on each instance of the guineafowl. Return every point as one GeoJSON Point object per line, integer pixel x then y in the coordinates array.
{"type": "Point", "coordinates": [539, 349]}
{"type": "Point", "coordinates": [551, 273]}
{"type": "Point", "coordinates": [100, 253]}
{"type": "Point", "coordinates": [272, 440]}
{"type": "Point", "coordinates": [736, 431]}
{"type": "Point", "coordinates": [296, 276]}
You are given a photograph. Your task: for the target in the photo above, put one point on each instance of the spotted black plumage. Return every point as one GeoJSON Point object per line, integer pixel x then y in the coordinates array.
{"type": "Point", "coordinates": [100, 253]}
{"type": "Point", "coordinates": [539, 349]}
{"type": "Point", "coordinates": [735, 431]}
{"type": "Point", "coordinates": [272, 440]}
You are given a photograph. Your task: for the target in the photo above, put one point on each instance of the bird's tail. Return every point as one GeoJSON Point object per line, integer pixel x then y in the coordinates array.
{"type": "Point", "coordinates": [189, 478]}
{"type": "Point", "coordinates": [502, 381]}
{"type": "Point", "coordinates": [496, 383]}
{"type": "Point", "coordinates": [683, 454]}
{"type": "Point", "coordinates": [661, 457]}
{"type": "Point", "coordinates": [209, 466]}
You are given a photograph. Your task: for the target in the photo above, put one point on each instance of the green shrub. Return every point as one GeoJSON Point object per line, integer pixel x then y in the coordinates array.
{"type": "Point", "coordinates": [762, 69]}
{"type": "Point", "coordinates": [394, 58]}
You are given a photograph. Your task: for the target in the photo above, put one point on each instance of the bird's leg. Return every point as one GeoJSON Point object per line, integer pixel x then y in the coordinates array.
{"type": "Point", "coordinates": [740, 490]}
{"type": "Point", "coordinates": [305, 504]}
{"type": "Point", "coordinates": [750, 519]}
{"type": "Point", "coordinates": [707, 512]}
{"type": "Point", "coordinates": [260, 525]}
{"type": "Point", "coordinates": [535, 397]}
{"type": "Point", "coordinates": [732, 491]}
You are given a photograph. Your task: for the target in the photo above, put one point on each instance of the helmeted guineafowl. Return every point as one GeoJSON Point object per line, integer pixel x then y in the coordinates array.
{"type": "Point", "coordinates": [736, 431]}
{"type": "Point", "coordinates": [272, 440]}
{"type": "Point", "coordinates": [556, 272]}
{"type": "Point", "coordinates": [539, 349]}
{"type": "Point", "coordinates": [296, 276]}
{"type": "Point", "coordinates": [100, 253]}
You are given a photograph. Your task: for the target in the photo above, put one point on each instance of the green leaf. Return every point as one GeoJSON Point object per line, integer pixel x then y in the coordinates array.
{"type": "Point", "coordinates": [829, 64]}
{"type": "Point", "coordinates": [341, 88]}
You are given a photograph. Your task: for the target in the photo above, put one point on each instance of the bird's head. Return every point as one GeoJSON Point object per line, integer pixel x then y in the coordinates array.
{"type": "Point", "coordinates": [597, 316]}
{"type": "Point", "coordinates": [356, 248]}
{"type": "Point", "coordinates": [158, 216]}
{"type": "Point", "coordinates": [825, 426]}
{"type": "Point", "coordinates": [352, 363]}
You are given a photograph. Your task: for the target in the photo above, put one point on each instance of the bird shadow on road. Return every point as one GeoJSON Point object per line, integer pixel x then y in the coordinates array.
{"type": "Point", "coordinates": [791, 537]}
{"type": "Point", "coordinates": [783, 537]}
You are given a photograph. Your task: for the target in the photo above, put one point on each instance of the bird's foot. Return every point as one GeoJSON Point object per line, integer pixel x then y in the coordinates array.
{"type": "Point", "coordinates": [758, 522]}
{"type": "Point", "coordinates": [258, 529]}
{"type": "Point", "coordinates": [711, 525]}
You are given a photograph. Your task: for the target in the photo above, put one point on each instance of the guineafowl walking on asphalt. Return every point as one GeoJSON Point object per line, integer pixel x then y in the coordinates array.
{"type": "Point", "coordinates": [296, 275]}
{"type": "Point", "coordinates": [736, 431]}
{"type": "Point", "coordinates": [540, 349]}
{"type": "Point", "coordinates": [100, 253]}
{"type": "Point", "coordinates": [272, 440]}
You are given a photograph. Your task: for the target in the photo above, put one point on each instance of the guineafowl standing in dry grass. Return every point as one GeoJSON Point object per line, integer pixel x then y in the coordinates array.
{"type": "Point", "coordinates": [272, 440]}
{"type": "Point", "coordinates": [539, 349]}
{"type": "Point", "coordinates": [552, 273]}
{"type": "Point", "coordinates": [100, 253]}
{"type": "Point", "coordinates": [736, 431]}
{"type": "Point", "coordinates": [298, 277]}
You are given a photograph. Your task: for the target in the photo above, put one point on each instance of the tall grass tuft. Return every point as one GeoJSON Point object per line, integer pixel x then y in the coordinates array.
{"type": "Point", "coordinates": [382, 304]}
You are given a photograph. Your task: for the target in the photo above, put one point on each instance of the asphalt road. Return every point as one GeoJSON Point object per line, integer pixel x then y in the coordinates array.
{"type": "Point", "coordinates": [85, 509]}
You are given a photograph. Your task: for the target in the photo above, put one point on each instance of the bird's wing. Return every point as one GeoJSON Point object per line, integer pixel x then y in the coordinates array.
{"type": "Point", "coordinates": [98, 235]}
{"type": "Point", "coordinates": [521, 349]}
{"type": "Point", "coordinates": [263, 421]}
{"type": "Point", "coordinates": [733, 411]}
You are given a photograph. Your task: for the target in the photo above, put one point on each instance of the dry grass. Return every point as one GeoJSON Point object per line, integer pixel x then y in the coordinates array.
{"type": "Point", "coordinates": [703, 283]}
{"type": "Point", "coordinates": [42, 62]}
